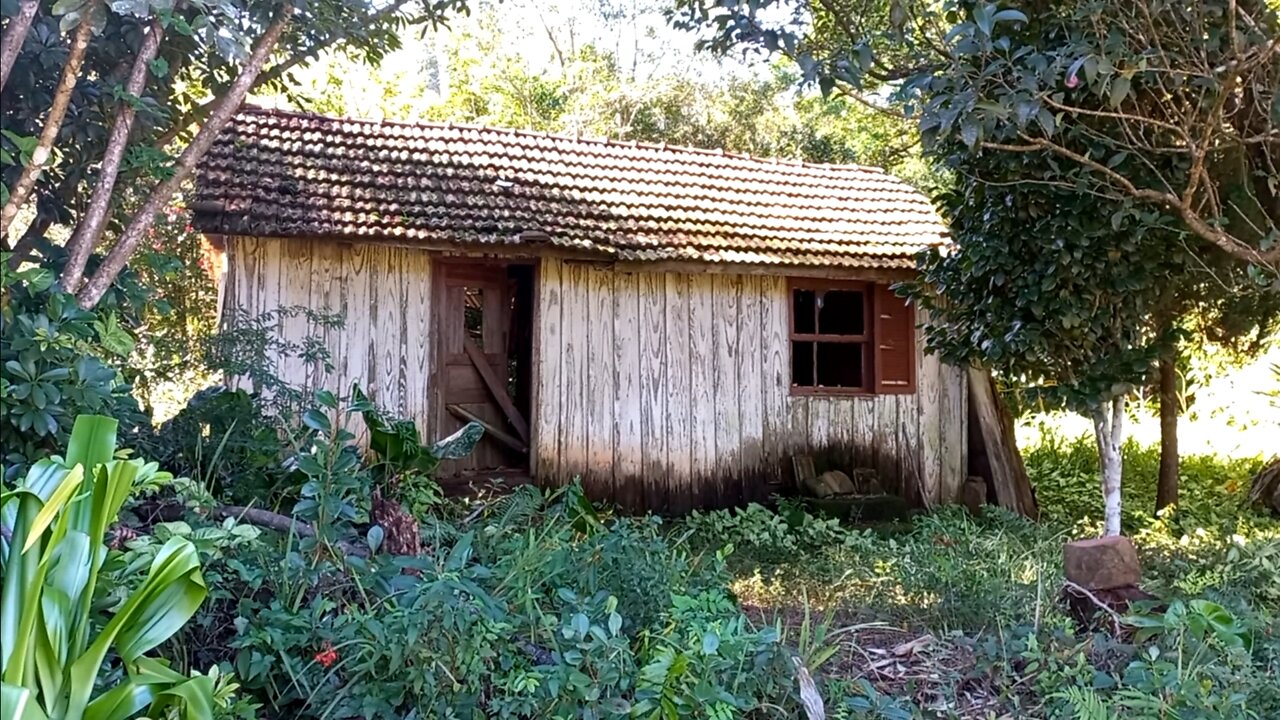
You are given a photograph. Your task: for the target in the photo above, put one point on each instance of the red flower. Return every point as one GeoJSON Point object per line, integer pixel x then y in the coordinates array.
{"type": "Point", "coordinates": [327, 656]}
{"type": "Point", "coordinates": [1073, 81]}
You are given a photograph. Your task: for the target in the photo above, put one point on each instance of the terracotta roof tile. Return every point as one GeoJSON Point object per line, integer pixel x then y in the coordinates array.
{"type": "Point", "coordinates": [293, 175]}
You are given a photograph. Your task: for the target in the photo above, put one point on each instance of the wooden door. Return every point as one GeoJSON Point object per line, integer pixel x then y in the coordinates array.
{"type": "Point", "coordinates": [476, 381]}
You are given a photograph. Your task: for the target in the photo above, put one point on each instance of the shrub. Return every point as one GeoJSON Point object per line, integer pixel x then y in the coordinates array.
{"type": "Point", "coordinates": [55, 646]}
{"type": "Point", "coordinates": [1064, 473]}
{"type": "Point", "coordinates": [57, 362]}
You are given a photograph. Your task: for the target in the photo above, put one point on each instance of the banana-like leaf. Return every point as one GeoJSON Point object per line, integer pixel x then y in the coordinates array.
{"type": "Point", "coordinates": [93, 440]}
{"type": "Point", "coordinates": [16, 703]}
{"type": "Point", "coordinates": [92, 443]}
{"type": "Point", "coordinates": [123, 701]}
{"type": "Point", "coordinates": [66, 490]}
{"type": "Point", "coordinates": [168, 597]}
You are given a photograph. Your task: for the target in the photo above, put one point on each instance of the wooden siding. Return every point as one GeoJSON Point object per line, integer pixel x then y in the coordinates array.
{"type": "Point", "coordinates": [663, 390]}
{"type": "Point", "coordinates": [382, 292]}
{"type": "Point", "coordinates": [685, 378]}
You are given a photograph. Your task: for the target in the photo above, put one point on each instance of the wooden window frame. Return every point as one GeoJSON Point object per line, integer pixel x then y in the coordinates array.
{"type": "Point", "coordinates": [866, 339]}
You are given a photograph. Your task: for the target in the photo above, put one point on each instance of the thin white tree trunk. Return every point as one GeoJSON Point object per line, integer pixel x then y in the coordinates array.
{"type": "Point", "coordinates": [1109, 432]}
{"type": "Point", "coordinates": [93, 290]}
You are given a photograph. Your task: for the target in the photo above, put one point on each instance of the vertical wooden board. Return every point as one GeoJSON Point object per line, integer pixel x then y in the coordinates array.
{"type": "Point", "coordinates": [548, 350]}
{"type": "Point", "coordinates": [573, 439]}
{"type": "Point", "coordinates": [295, 292]}
{"type": "Point", "coordinates": [271, 278]}
{"type": "Point", "coordinates": [653, 388]}
{"type": "Point", "coordinates": [390, 341]}
{"type": "Point", "coordinates": [628, 440]}
{"type": "Point", "coordinates": [357, 306]}
{"type": "Point", "coordinates": [864, 432]}
{"type": "Point", "coordinates": [750, 394]}
{"type": "Point", "coordinates": [821, 412]}
{"type": "Point", "coordinates": [797, 435]}
{"type": "Point", "coordinates": [705, 485]}
{"type": "Point", "coordinates": [886, 442]}
{"type": "Point", "coordinates": [840, 435]}
{"type": "Point", "coordinates": [418, 398]}
{"type": "Point", "coordinates": [929, 391]}
{"type": "Point", "coordinates": [953, 419]}
{"type": "Point", "coordinates": [679, 473]}
{"type": "Point", "coordinates": [724, 332]}
{"type": "Point", "coordinates": [601, 375]}
{"type": "Point", "coordinates": [325, 297]}
{"type": "Point", "coordinates": [775, 375]}
{"type": "Point", "coordinates": [909, 447]}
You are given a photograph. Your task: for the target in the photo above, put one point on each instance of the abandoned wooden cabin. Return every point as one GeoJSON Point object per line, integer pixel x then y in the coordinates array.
{"type": "Point", "coordinates": [672, 325]}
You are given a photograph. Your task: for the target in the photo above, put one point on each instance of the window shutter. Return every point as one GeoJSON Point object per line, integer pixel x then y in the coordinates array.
{"type": "Point", "coordinates": [895, 333]}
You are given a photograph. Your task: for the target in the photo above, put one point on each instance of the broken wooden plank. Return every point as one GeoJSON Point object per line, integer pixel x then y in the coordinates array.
{"type": "Point", "coordinates": [497, 390]}
{"type": "Point", "coordinates": [489, 430]}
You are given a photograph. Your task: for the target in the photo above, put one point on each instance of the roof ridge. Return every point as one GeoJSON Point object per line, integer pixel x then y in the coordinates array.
{"type": "Point", "coordinates": [577, 137]}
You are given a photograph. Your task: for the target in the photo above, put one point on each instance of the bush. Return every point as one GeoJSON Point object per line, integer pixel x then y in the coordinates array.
{"type": "Point", "coordinates": [1064, 473]}
{"type": "Point", "coordinates": [56, 362]}
{"type": "Point", "coordinates": [545, 608]}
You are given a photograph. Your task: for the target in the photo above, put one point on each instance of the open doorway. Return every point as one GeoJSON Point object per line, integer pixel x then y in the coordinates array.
{"type": "Point", "coordinates": [485, 327]}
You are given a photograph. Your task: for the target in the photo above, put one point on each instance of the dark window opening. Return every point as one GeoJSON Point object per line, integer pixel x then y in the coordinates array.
{"type": "Point", "coordinates": [842, 312]}
{"type": "Point", "coordinates": [473, 314]}
{"type": "Point", "coordinates": [839, 365]}
{"type": "Point", "coordinates": [850, 337]}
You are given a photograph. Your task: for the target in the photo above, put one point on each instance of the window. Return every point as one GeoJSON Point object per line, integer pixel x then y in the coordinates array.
{"type": "Point", "coordinates": [850, 337]}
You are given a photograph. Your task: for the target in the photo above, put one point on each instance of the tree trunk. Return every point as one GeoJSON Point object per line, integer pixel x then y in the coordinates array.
{"type": "Point", "coordinates": [1167, 483]}
{"type": "Point", "coordinates": [52, 123]}
{"type": "Point", "coordinates": [92, 292]}
{"type": "Point", "coordinates": [86, 236]}
{"type": "Point", "coordinates": [1109, 433]}
{"type": "Point", "coordinates": [1008, 474]}
{"type": "Point", "coordinates": [14, 36]}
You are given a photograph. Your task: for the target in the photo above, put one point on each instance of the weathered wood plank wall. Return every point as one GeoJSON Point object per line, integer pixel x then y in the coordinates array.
{"type": "Point", "coordinates": [663, 390]}
{"type": "Point", "coordinates": [690, 389]}
{"type": "Point", "coordinates": [384, 296]}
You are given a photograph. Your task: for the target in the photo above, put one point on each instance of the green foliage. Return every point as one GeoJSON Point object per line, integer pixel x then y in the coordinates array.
{"type": "Point", "coordinates": [1064, 473]}
{"type": "Point", "coordinates": [333, 484]}
{"type": "Point", "coordinates": [224, 440]}
{"type": "Point", "coordinates": [525, 614]}
{"type": "Point", "coordinates": [58, 361]}
{"type": "Point", "coordinates": [55, 645]}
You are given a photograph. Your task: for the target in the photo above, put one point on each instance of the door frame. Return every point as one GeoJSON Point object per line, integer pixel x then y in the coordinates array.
{"type": "Point", "coordinates": [439, 302]}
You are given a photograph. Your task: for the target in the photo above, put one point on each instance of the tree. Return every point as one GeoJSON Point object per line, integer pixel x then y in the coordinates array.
{"type": "Point", "coordinates": [1104, 180]}
{"type": "Point", "coordinates": [1194, 83]}
{"type": "Point", "coordinates": [137, 76]}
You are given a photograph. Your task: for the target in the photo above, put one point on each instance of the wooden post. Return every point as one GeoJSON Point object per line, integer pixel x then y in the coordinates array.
{"type": "Point", "coordinates": [1008, 474]}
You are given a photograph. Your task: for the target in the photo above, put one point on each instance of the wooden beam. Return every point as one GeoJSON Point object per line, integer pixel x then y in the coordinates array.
{"type": "Point", "coordinates": [497, 390]}
{"type": "Point", "coordinates": [489, 430]}
{"type": "Point", "coordinates": [1008, 474]}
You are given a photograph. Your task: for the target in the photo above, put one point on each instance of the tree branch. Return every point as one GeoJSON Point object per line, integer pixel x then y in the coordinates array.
{"type": "Point", "coordinates": [52, 123]}
{"type": "Point", "coordinates": [226, 106]}
{"type": "Point", "coordinates": [1197, 224]}
{"type": "Point", "coordinates": [89, 231]}
{"type": "Point", "coordinates": [14, 36]}
{"type": "Point", "coordinates": [198, 113]}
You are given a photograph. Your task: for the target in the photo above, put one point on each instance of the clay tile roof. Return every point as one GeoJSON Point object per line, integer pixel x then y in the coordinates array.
{"type": "Point", "coordinates": [293, 175]}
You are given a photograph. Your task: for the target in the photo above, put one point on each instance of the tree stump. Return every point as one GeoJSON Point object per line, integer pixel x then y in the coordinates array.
{"type": "Point", "coordinates": [1103, 576]}
{"type": "Point", "coordinates": [1265, 492]}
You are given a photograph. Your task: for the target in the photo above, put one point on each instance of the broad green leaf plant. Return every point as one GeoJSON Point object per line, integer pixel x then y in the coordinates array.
{"type": "Point", "coordinates": [53, 643]}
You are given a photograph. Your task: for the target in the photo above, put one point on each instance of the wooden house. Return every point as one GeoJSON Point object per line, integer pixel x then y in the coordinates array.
{"type": "Point", "coordinates": [671, 325]}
